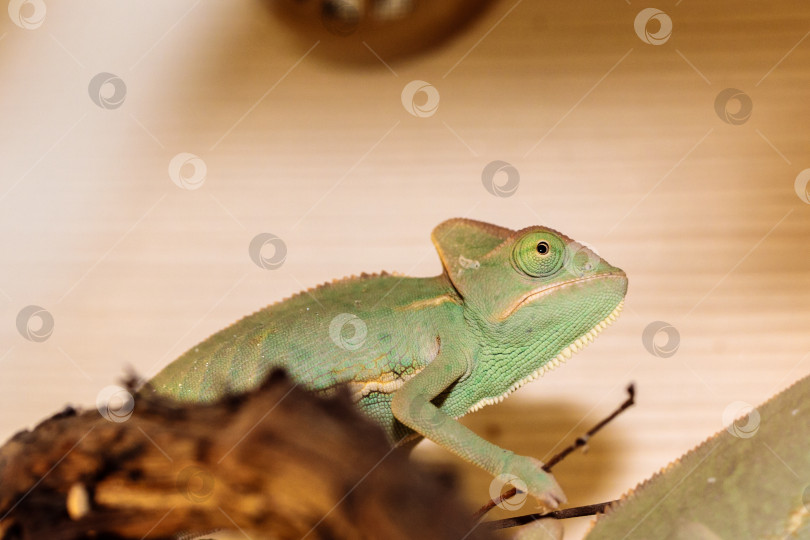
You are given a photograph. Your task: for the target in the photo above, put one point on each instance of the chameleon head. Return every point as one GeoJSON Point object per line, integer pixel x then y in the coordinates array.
{"type": "Point", "coordinates": [533, 298]}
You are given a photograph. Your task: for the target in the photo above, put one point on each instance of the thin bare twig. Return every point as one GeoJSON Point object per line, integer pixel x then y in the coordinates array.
{"type": "Point", "coordinates": [577, 511]}
{"type": "Point", "coordinates": [580, 442]}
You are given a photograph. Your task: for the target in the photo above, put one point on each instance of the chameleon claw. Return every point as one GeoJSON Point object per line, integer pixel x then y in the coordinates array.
{"type": "Point", "coordinates": [528, 475]}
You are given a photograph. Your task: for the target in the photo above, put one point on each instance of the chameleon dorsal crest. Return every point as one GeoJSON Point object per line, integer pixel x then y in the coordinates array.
{"type": "Point", "coordinates": [462, 243]}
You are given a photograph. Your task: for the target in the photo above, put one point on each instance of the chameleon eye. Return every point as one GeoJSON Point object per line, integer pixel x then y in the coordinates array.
{"type": "Point", "coordinates": [538, 254]}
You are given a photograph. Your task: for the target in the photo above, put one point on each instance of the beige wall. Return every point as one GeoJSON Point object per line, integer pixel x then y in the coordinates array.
{"type": "Point", "coordinates": [617, 143]}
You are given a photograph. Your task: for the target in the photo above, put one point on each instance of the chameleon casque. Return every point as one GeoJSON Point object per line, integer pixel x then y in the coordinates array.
{"type": "Point", "coordinates": [418, 353]}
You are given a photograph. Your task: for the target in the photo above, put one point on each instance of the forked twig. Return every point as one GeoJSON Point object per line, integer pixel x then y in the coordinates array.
{"type": "Point", "coordinates": [578, 511]}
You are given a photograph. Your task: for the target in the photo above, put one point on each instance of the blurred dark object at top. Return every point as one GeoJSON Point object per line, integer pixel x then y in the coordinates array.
{"type": "Point", "coordinates": [349, 30]}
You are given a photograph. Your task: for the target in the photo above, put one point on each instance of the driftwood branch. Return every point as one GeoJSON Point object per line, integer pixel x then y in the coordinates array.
{"type": "Point", "coordinates": [276, 463]}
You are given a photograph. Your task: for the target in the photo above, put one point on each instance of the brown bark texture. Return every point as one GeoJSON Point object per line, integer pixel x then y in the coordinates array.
{"type": "Point", "coordinates": [278, 462]}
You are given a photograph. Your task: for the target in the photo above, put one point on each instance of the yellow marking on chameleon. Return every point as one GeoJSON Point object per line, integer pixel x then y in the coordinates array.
{"type": "Point", "coordinates": [427, 302]}
{"type": "Point", "coordinates": [387, 383]}
{"type": "Point", "coordinates": [536, 294]}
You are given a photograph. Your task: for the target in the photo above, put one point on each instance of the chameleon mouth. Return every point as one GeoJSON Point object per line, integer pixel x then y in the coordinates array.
{"type": "Point", "coordinates": [539, 293]}
{"type": "Point", "coordinates": [578, 344]}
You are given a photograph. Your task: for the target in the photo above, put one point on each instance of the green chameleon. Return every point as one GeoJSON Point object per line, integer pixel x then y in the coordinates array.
{"type": "Point", "coordinates": [418, 353]}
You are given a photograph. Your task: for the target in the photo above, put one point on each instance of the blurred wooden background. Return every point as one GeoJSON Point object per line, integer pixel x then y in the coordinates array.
{"type": "Point", "coordinates": [617, 142]}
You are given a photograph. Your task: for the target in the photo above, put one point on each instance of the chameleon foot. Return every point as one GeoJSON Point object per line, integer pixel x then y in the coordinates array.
{"type": "Point", "coordinates": [538, 483]}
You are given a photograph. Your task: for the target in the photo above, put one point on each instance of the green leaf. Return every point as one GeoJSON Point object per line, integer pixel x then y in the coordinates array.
{"type": "Point", "coordinates": [750, 480]}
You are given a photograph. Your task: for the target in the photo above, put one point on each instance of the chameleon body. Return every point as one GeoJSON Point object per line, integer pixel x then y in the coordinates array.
{"type": "Point", "coordinates": [418, 353]}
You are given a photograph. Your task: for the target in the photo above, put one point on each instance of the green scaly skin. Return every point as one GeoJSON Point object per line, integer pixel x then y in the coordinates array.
{"type": "Point", "coordinates": [418, 353]}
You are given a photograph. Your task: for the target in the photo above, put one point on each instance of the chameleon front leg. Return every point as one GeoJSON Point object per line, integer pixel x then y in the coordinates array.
{"type": "Point", "coordinates": [412, 406]}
